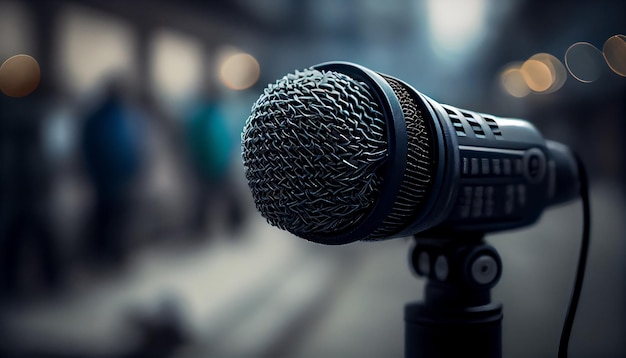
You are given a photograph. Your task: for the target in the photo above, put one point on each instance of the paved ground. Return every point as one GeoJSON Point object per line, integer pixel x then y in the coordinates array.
{"type": "Point", "coordinates": [269, 294]}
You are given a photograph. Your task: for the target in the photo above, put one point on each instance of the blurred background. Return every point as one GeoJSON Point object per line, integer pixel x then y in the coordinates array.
{"type": "Point", "coordinates": [126, 225]}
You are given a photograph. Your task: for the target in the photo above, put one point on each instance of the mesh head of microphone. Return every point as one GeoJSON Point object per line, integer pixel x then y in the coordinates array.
{"type": "Point", "coordinates": [314, 151]}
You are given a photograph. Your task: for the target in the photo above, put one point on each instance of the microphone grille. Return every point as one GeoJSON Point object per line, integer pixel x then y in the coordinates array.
{"type": "Point", "coordinates": [312, 149]}
{"type": "Point", "coordinates": [417, 178]}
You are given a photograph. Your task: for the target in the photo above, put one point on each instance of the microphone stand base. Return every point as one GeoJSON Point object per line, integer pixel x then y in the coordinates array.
{"type": "Point", "coordinates": [453, 332]}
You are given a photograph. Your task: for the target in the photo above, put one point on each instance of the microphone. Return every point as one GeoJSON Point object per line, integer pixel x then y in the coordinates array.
{"type": "Point", "coordinates": [338, 153]}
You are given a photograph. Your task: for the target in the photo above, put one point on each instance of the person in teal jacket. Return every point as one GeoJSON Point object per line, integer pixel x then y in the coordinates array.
{"type": "Point", "coordinates": [210, 143]}
{"type": "Point", "coordinates": [211, 147]}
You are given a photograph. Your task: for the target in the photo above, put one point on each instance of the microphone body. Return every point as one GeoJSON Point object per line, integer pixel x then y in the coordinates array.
{"type": "Point", "coordinates": [445, 170]}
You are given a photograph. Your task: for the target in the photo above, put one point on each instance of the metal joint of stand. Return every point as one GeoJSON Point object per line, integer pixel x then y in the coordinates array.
{"type": "Point", "coordinates": [456, 317]}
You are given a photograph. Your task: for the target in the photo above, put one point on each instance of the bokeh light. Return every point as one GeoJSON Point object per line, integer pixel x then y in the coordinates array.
{"type": "Point", "coordinates": [19, 76]}
{"type": "Point", "coordinates": [557, 70]}
{"type": "Point", "coordinates": [541, 73]}
{"type": "Point", "coordinates": [614, 52]}
{"type": "Point", "coordinates": [93, 47]}
{"type": "Point", "coordinates": [584, 62]}
{"type": "Point", "coordinates": [456, 27]}
{"type": "Point", "coordinates": [537, 75]}
{"type": "Point", "coordinates": [513, 82]}
{"type": "Point", "coordinates": [177, 67]}
{"type": "Point", "coordinates": [239, 71]}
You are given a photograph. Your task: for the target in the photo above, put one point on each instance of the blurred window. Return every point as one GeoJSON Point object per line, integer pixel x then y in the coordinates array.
{"type": "Point", "coordinates": [92, 48]}
{"type": "Point", "coordinates": [176, 66]}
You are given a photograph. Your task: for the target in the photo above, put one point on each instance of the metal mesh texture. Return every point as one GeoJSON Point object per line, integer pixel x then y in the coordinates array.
{"type": "Point", "coordinates": [312, 148]}
{"type": "Point", "coordinates": [419, 163]}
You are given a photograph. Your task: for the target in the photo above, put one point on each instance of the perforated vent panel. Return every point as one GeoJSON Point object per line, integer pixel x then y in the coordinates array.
{"type": "Point", "coordinates": [463, 121]}
{"type": "Point", "coordinates": [494, 127]}
{"type": "Point", "coordinates": [456, 121]}
{"type": "Point", "coordinates": [473, 122]}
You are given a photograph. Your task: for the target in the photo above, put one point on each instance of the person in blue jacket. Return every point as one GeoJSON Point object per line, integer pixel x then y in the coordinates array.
{"type": "Point", "coordinates": [112, 146]}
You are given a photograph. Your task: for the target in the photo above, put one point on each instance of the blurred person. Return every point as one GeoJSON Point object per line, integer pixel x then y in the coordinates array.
{"type": "Point", "coordinates": [112, 147]}
{"type": "Point", "coordinates": [211, 149]}
{"type": "Point", "coordinates": [29, 252]}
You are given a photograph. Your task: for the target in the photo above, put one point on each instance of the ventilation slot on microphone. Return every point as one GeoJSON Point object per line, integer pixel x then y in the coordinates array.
{"type": "Point", "coordinates": [458, 126]}
{"type": "Point", "coordinates": [476, 127]}
{"type": "Point", "coordinates": [456, 122]}
{"type": "Point", "coordinates": [494, 127]}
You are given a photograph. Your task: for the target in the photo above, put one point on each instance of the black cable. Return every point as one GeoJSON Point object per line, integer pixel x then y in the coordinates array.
{"type": "Point", "coordinates": [582, 261]}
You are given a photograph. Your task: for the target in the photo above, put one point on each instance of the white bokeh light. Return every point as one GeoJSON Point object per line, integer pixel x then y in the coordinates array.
{"type": "Point", "coordinates": [456, 26]}
{"type": "Point", "coordinates": [177, 65]}
{"type": "Point", "coordinates": [93, 47]}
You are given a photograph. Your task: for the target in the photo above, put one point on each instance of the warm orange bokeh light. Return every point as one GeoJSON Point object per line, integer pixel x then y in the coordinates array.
{"type": "Point", "coordinates": [614, 52]}
{"type": "Point", "coordinates": [537, 75]}
{"type": "Point", "coordinates": [19, 76]}
{"type": "Point", "coordinates": [513, 81]}
{"type": "Point", "coordinates": [558, 72]}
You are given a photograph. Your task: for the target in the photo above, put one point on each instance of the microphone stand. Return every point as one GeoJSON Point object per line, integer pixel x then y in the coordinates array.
{"type": "Point", "coordinates": [456, 317]}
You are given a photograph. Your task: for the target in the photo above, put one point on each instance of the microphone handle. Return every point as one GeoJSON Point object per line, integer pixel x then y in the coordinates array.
{"type": "Point", "coordinates": [505, 173]}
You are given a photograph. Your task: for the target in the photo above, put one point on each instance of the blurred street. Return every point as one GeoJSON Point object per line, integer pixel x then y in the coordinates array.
{"type": "Point", "coordinates": [270, 294]}
{"type": "Point", "coordinates": [127, 228]}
